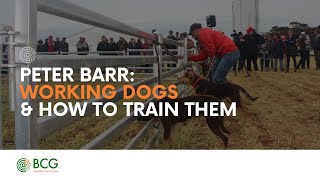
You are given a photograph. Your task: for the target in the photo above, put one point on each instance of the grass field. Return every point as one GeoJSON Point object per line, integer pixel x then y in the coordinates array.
{"type": "Point", "coordinates": [286, 116]}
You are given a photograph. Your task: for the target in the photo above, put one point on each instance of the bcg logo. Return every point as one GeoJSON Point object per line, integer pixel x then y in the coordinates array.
{"type": "Point", "coordinates": [24, 165]}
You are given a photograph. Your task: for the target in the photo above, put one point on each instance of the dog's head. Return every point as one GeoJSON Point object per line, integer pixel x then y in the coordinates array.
{"type": "Point", "coordinates": [189, 77]}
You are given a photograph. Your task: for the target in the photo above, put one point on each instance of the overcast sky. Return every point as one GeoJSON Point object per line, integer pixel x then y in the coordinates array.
{"type": "Point", "coordinates": [172, 14]}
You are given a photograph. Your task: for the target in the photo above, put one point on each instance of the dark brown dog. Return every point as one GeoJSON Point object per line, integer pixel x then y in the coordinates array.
{"type": "Point", "coordinates": [216, 124]}
{"type": "Point", "coordinates": [221, 91]}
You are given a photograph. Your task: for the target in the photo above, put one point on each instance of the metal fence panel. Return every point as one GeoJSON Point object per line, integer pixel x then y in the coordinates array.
{"type": "Point", "coordinates": [26, 25]}
{"type": "Point", "coordinates": [30, 129]}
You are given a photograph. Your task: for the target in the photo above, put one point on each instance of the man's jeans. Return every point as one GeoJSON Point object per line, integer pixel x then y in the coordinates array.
{"type": "Point", "coordinates": [222, 67]}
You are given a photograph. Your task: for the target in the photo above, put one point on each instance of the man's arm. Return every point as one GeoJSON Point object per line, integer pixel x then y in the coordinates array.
{"type": "Point", "coordinates": [208, 48]}
{"type": "Point", "coordinates": [200, 57]}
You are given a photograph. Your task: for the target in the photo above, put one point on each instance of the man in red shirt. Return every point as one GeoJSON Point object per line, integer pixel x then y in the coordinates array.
{"type": "Point", "coordinates": [216, 45]}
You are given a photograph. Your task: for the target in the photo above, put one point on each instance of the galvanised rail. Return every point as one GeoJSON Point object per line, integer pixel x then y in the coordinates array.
{"type": "Point", "coordinates": [29, 130]}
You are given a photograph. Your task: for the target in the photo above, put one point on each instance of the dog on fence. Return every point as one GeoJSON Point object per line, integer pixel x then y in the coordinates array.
{"type": "Point", "coordinates": [221, 91]}
{"type": "Point", "coordinates": [215, 124]}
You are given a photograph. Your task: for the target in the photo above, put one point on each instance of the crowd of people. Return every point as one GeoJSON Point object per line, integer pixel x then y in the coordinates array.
{"type": "Point", "coordinates": [51, 45]}
{"type": "Point", "coordinates": [107, 46]}
{"type": "Point", "coordinates": [274, 49]}
{"type": "Point", "coordinates": [245, 49]}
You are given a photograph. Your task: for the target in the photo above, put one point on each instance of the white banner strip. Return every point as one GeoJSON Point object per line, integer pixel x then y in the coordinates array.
{"type": "Point", "coordinates": [159, 165]}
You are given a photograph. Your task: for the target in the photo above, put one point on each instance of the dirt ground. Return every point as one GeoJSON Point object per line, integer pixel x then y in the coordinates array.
{"type": "Point", "coordinates": [286, 116]}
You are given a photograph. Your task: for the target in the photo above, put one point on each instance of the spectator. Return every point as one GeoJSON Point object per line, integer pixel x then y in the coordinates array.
{"type": "Point", "coordinates": [190, 43]}
{"type": "Point", "coordinates": [308, 48]}
{"type": "Point", "coordinates": [58, 43]}
{"type": "Point", "coordinates": [64, 46]}
{"type": "Point", "coordinates": [171, 36]}
{"type": "Point", "coordinates": [113, 46]}
{"type": "Point", "coordinates": [41, 47]}
{"type": "Point", "coordinates": [103, 46]}
{"type": "Point", "coordinates": [252, 42]}
{"type": "Point", "coordinates": [5, 50]}
{"type": "Point", "coordinates": [291, 50]}
{"type": "Point", "coordinates": [140, 45]}
{"type": "Point", "coordinates": [234, 35]}
{"type": "Point", "coordinates": [236, 40]}
{"type": "Point", "coordinates": [242, 49]}
{"type": "Point", "coordinates": [316, 48]}
{"type": "Point", "coordinates": [133, 45]}
{"type": "Point", "coordinates": [4, 47]}
{"type": "Point", "coordinates": [264, 55]}
{"type": "Point", "coordinates": [302, 46]}
{"type": "Point", "coordinates": [122, 44]}
{"type": "Point", "coordinates": [147, 45]}
{"type": "Point", "coordinates": [82, 46]}
{"type": "Point", "coordinates": [51, 44]}
{"type": "Point", "coordinates": [278, 53]}
{"type": "Point", "coordinates": [271, 40]}
{"type": "Point", "coordinates": [178, 36]}
{"type": "Point", "coordinates": [153, 31]}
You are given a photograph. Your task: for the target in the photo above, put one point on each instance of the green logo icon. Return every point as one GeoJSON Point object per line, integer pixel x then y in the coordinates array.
{"type": "Point", "coordinates": [23, 165]}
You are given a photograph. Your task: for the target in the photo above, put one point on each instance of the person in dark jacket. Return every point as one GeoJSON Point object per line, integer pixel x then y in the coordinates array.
{"type": "Point", "coordinates": [252, 43]}
{"type": "Point", "coordinates": [82, 46]}
{"type": "Point", "coordinates": [5, 56]}
{"type": "Point", "coordinates": [133, 45]}
{"type": "Point", "coordinates": [4, 47]}
{"type": "Point", "coordinates": [316, 48]}
{"type": "Point", "coordinates": [58, 45]}
{"type": "Point", "coordinates": [64, 46]}
{"type": "Point", "coordinates": [278, 53]}
{"type": "Point", "coordinates": [240, 42]}
{"type": "Point", "coordinates": [103, 46]}
{"type": "Point", "coordinates": [122, 44]}
{"type": "Point", "coordinates": [291, 49]}
{"type": "Point", "coordinates": [171, 36]}
{"type": "Point", "coordinates": [270, 47]}
{"type": "Point", "coordinates": [140, 44]}
{"type": "Point", "coordinates": [302, 46]}
{"type": "Point", "coordinates": [41, 47]}
{"type": "Point", "coordinates": [178, 36]}
{"type": "Point", "coordinates": [113, 47]}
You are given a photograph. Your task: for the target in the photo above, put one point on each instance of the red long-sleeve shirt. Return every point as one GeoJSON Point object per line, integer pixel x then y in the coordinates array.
{"type": "Point", "coordinates": [213, 44]}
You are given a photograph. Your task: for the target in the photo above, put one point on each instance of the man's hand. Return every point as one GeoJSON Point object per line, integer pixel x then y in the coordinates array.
{"type": "Point", "coordinates": [188, 59]}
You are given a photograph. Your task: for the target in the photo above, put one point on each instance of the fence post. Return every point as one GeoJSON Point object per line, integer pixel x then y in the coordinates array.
{"type": "Point", "coordinates": [185, 60]}
{"type": "Point", "coordinates": [180, 74]}
{"type": "Point", "coordinates": [157, 71]}
{"type": "Point", "coordinates": [26, 25]}
{"type": "Point", "coordinates": [1, 62]}
{"type": "Point", "coordinates": [11, 72]}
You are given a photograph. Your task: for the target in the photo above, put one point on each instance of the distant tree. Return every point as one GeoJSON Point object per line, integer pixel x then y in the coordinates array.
{"type": "Point", "coordinates": [296, 27]}
{"type": "Point", "coordinates": [274, 28]}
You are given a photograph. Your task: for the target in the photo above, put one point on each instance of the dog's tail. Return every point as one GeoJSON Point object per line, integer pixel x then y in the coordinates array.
{"type": "Point", "coordinates": [247, 94]}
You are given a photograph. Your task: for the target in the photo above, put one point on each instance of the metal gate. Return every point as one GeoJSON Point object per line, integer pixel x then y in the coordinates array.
{"type": "Point", "coordinates": [29, 130]}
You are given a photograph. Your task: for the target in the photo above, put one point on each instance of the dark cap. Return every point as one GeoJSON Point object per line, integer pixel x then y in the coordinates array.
{"type": "Point", "coordinates": [194, 27]}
